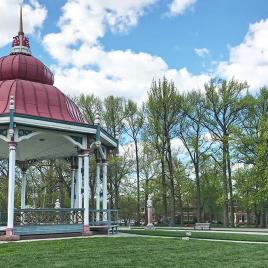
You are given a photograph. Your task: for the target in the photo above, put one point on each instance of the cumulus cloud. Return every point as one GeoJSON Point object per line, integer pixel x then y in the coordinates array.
{"type": "Point", "coordinates": [249, 60]}
{"type": "Point", "coordinates": [9, 19]}
{"type": "Point", "coordinates": [84, 22]}
{"type": "Point", "coordinates": [84, 66]}
{"type": "Point", "coordinates": [178, 7]}
{"type": "Point", "coordinates": [201, 52]}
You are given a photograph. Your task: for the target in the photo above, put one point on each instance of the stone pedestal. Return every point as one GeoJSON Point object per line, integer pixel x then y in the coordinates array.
{"type": "Point", "coordinates": [9, 237]}
{"type": "Point", "coordinates": [86, 231]}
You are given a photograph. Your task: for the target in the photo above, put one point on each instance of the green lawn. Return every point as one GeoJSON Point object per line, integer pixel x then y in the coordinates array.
{"type": "Point", "coordinates": [132, 252]}
{"type": "Point", "coordinates": [204, 235]}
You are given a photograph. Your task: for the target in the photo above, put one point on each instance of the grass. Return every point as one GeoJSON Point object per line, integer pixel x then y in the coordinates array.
{"type": "Point", "coordinates": [132, 252]}
{"type": "Point", "coordinates": [201, 235]}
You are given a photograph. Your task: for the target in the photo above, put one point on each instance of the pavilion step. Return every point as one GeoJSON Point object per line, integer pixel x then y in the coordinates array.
{"type": "Point", "coordinates": [45, 236]}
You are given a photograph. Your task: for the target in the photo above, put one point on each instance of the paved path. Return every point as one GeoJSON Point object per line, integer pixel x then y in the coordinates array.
{"type": "Point", "coordinates": [255, 231]}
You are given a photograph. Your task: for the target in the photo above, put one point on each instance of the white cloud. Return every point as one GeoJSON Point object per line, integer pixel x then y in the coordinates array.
{"type": "Point", "coordinates": [9, 19]}
{"type": "Point", "coordinates": [178, 7]}
{"type": "Point", "coordinates": [249, 60]}
{"type": "Point", "coordinates": [85, 67]}
{"type": "Point", "coordinates": [124, 73]}
{"type": "Point", "coordinates": [84, 22]}
{"type": "Point", "coordinates": [201, 52]}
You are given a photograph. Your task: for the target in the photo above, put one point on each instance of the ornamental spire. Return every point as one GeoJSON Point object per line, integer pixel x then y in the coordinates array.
{"type": "Point", "coordinates": [20, 44]}
{"type": "Point", "coordinates": [21, 23]}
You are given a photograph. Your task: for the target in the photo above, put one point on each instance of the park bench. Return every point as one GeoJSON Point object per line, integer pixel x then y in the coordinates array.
{"type": "Point", "coordinates": [202, 226]}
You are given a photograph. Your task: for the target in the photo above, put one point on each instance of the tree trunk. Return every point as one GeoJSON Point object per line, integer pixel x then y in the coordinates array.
{"type": "Point", "coordinates": [61, 181]}
{"type": "Point", "coordinates": [262, 219]}
{"type": "Point", "coordinates": [116, 197]}
{"type": "Point", "coordinates": [225, 184]}
{"type": "Point", "coordinates": [164, 190]}
{"type": "Point", "coordinates": [138, 180]}
{"type": "Point", "coordinates": [198, 195]}
{"type": "Point", "coordinates": [171, 177]}
{"type": "Point", "coordinates": [92, 194]}
{"type": "Point", "coordinates": [146, 194]}
{"type": "Point", "coordinates": [230, 183]}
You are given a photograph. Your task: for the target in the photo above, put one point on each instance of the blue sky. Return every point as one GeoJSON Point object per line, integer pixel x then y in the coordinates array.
{"type": "Point", "coordinates": [117, 47]}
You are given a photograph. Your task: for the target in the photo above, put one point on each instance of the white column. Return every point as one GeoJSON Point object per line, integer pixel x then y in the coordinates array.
{"type": "Point", "coordinates": [79, 181]}
{"type": "Point", "coordinates": [73, 187]}
{"type": "Point", "coordinates": [105, 194]}
{"type": "Point", "coordinates": [23, 190]}
{"type": "Point", "coordinates": [98, 189]}
{"type": "Point", "coordinates": [86, 192]}
{"type": "Point", "coordinates": [11, 188]}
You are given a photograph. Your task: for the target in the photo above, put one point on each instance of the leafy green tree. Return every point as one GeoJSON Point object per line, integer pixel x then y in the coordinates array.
{"type": "Point", "coordinates": [223, 106]}
{"type": "Point", "coordinates": [193, 135]}
{"type": "Point", "coordinates": [162, 111]}
{"type": "Point", "coordinates": [134, 120]}
{"type": "Point", "coordinates": [113, 116]}
{"type": "Point", "coordinates": [90, 106]}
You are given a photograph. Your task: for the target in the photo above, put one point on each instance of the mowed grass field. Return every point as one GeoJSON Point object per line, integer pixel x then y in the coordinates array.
{"type": "Point", "coordinates": [132, 252]}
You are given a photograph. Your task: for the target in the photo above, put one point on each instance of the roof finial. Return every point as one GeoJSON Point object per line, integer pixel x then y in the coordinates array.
{"type": "Point", "coordinates": [20, 44]}
{"type": "Point", "coordinates": [21, 23]}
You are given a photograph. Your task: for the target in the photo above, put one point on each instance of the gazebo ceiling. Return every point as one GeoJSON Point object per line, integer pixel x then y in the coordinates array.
{"type": "Point", "coordinates": [42, 145]}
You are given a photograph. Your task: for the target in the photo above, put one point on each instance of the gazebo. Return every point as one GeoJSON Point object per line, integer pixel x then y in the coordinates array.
{"type": "Point", "coordinates": [38, 122]}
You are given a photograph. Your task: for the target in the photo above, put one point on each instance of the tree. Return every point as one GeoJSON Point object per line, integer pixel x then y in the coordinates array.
{"type": "Point", "coordinates": [113, 114]}
{"type": "Point", "coordinates": [162, 111]}
{"type": "Point", "coordinates": [90, 106]}
{"type": "Point", "coordinates": [223, 106]}
{"type": "Point", "coordinates": [134, 120]}
{"type": "Point", "coordinates": [251, 149]}
{"type": "Point", "coordinates": [113, 117]}
{"type": "Point", "coordinates": [193, 136]}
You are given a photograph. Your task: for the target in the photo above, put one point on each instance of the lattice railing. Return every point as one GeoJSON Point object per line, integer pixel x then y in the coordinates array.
{"type": "Point", "coordinates": [3, 218]}
{"type": "Point", "coordinates": [103, 217]}
{"type": "Point", "coordinates": [48, 216]}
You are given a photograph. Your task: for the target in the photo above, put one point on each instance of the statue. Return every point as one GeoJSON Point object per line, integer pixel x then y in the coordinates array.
{"type": "Point", "coordinates": [57, 203]}
{"type": "Point", "coordinates": [150, 212]}
{"type": "Point", "coordinates": [149, 201]}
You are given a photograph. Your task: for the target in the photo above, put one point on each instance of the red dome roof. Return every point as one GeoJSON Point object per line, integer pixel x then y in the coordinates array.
{"type": "Point", "coordinates": [38, 100]}
{"type": "Point", "coordinates": [26, 67]}
{"type": "Point", "coordinates": [30, 82]}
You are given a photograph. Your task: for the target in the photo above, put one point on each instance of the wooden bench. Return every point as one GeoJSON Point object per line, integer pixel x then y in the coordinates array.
{"type": "Point", "coordinates": [202, 226]}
